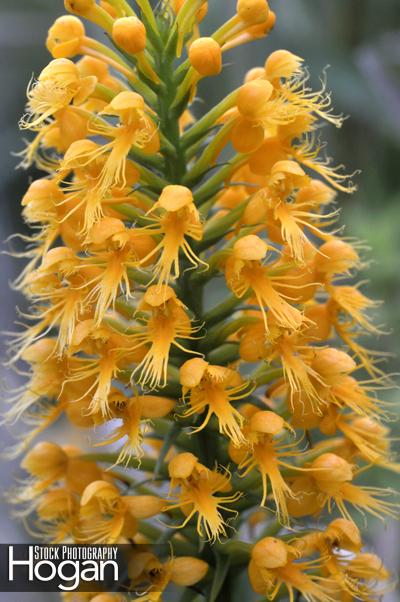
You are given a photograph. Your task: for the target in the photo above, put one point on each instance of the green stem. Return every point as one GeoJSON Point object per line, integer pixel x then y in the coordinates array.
{"type": "Point", "coordinates": [225, 354]}
{"type": "Point", "coordinates": [208, 156]}
{"type": "Point", "coordinates": [238, 550]}
{"type": "Point", "coordinates": [218, 334]}
{"type": "Point", "coordinates": [222, 310]}
{"type": "Point", "coordinates": [214, 184]}
{"type": "Point", "coordinates": [264, 377]}
{"type": "Point", "coordinates": [200, 128]}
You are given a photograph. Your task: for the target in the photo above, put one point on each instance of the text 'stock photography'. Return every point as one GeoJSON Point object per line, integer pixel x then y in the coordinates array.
{"type": "Point", "coordinates": [195, 314]}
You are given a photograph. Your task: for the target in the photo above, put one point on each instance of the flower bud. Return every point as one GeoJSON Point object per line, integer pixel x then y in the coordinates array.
{"type": "Point", "coordinates": [202, 12]}
{"type": "Point", "coordinates": [155, 407]}
{"type": "Point", "coordinates": [144, 506]}
{"type": "Point", "coordinates": [282, 64]}
{"type": "Point", "coordinates": [336, 256]}
{"type": "Point", "coordinates": [182, 466]}
{"type": "Point", "coordinates": [252, 97]}
{"type": "Point", "coordinates": [331, 363]}
{"type": "Point", "coordinates": [111, 10]}
{"type": "Point", "coordinates": [129, 34]}
{"type": "Point", "coordinates": [65, 37]}
{"type": "Point", "coordinates": [254, 73]}
{"type": "Point", "coordinates": [46, 460]}
{"type": "Point", "coordinates": [88, 65]}
{"type": "Point", "coordinates": [270, 553]}
{"type": "Point", "coordinates": [321, 326]}
{"type": "Point", "coordinates": [81, 7]}
{"type": "Point", "coordinates": [267, 422]}
{"type": "Point", "coordinates": [205, 56]}
{"type": "Point", "coordinates": [247, 137]}
{"type": "Point", "coordinates": [250, 248]}
{"type": "Point", "coordinates": [331, 468]}
{"type": "Point", "coordinates": [187, 571]}
{"type": "Point", "coordinates": [252, 11]}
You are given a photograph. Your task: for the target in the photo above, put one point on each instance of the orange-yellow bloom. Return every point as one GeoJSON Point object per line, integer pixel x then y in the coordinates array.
{"type": "Point", "coordinates": [168, 322]}
{"type": "Point", "coordinates": [198, 487]}
{"type": "Point", "coordinates": [108, 517]}
{"type": "Point", "coordinates": [214, 388]}
{"type": "Point", "coordinates": [175, 217]}
{"type": "Point", "coordinates": [245, 271]}
{"type": "Point", "coordinates": [265, 450]}
{"type": "Point", "coordinates": [274, 565]}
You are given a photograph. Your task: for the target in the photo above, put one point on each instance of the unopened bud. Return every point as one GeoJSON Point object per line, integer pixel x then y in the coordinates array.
{"type": "Point", "coordinates": [250, 248]}
{"type": "Point", "coordinates": [336, 256]}
{"type": "Point", "coordinates": [331, 363]}
{"type": "Point", "coordinates": [267, 422]}
{"type": "Point", "coordinates": [254, 73]}
{"type": "Point", "coordinates": [144, 506]}
{"type": "Point", "coordinates": [129, 34]}
{"type": "Point", "coordinates": [247, 136]}
{"type": "Point", "coordinates": [270, 553]}
{"type": "Point", "coordinates": [187, 571]}
{"type": "Point", "coordinates": [205, 56]}
{"type": "Point", "coordinates": [80, 7]}
{"type": "Point", "coordinates": [65, 37]}
{"type": "Point", "coordinates": [252, 97]}
{"type": "Point", "coordinates": [330, 468]}
{"type": "Point", "coordinates": [252, 11]}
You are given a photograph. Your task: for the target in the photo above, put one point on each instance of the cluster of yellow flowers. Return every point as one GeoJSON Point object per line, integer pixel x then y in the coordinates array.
{"type": "Point", "coordinates": [250, 419]}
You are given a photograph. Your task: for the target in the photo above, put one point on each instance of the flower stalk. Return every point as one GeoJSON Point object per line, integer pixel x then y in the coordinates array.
{"type": "Point", "coordinates": [204, 414]}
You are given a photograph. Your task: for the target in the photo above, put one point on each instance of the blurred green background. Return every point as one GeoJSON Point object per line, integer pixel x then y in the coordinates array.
{"type": "Point", "coordinates": [359, 40]}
